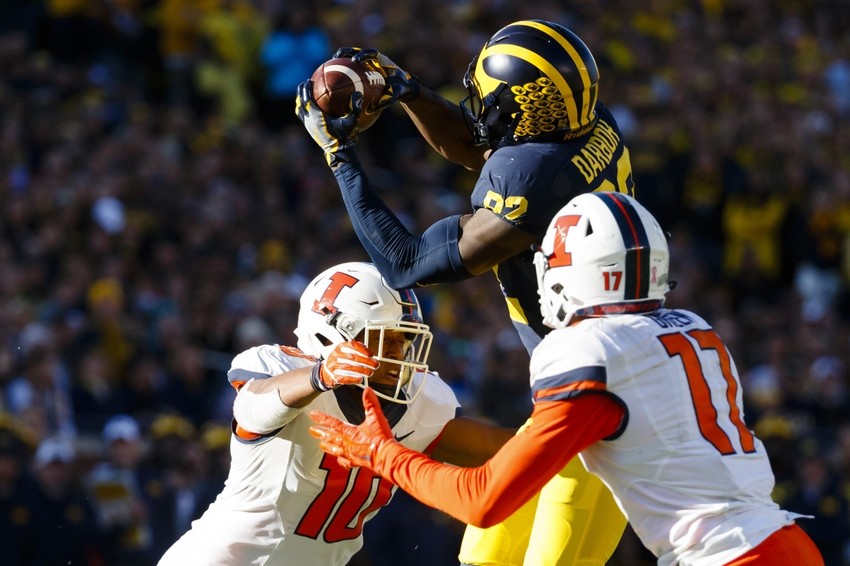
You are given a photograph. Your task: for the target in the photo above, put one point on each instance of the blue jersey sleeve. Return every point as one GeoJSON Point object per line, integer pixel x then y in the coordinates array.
{"type": "Point", "coordinates": [404, 259]}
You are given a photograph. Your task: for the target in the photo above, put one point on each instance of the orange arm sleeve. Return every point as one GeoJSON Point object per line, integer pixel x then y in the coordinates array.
{"type": "Point", "coordinates": [486, 495]}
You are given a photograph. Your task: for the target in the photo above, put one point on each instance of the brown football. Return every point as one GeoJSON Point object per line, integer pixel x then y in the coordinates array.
{"type": "Point", "coordinates": [336, 79]}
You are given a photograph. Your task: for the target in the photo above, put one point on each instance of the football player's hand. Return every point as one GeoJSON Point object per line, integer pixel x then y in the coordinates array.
{"type": "Point", "coordinates": [354, 445]}
{"type": "Point", "coordinates": [349, 363]}
{"type": "Point", "coordinates": [401, 85]}
{"type": "Point", "coordinates": [331, 134]}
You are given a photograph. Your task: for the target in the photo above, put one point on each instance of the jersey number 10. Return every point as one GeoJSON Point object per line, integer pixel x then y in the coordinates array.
{"type": "Point", "coordinates": [343, 506]}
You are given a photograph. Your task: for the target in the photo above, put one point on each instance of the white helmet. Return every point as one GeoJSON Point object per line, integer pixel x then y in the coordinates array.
{"type": "Point", "coordinates": [352, 298]}
{"type": "Point", "coordinates": [602, 254]}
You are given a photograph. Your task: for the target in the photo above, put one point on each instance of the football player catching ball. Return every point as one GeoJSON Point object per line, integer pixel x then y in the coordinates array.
{"type": "Point", "coordinates": [532, 124]}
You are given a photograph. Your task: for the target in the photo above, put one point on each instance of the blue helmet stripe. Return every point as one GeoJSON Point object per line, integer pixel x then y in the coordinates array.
{"type": "Point", "coordinates": [636, 243]}
{"type": "Point", "coordinates": [409, 300]}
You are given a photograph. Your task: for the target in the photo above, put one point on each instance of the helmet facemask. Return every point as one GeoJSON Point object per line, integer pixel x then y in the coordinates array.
{"type": "Point", "coordinates": [409, 371]}
{"type": "Point", "coordinates": [351, 301]}
{"type": "Point", "coordinates": [483, 115]}
{"type": "Point", "coordinates": [553, 301]}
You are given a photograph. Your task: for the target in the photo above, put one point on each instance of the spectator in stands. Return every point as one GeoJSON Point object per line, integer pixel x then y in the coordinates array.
{"type": "Point", "coordinates": [120, 492]}
{"type": "Point", "coordinates": [295, 47]}
{"type": "Point", "coordinates": [65, 524]}
{"type": "Point", "coordinates": [17, 523]}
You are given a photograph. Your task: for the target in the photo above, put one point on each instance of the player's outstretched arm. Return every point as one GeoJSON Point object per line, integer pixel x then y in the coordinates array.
{"type": "Point", "coordinates": [441, 123]}
{"type": "Point", "coordinates": [470, 442]}
{"type": "Point", "coordinates": [452, 249]}
{"type": "Point", "coordinates": [488, 494]}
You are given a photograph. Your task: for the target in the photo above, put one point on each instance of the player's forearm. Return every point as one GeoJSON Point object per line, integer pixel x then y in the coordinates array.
{"type": "Point", "coordinates": [486, 495]}
{"type": "Point", "coordinates": [265, 405]}
{"type": "Point", "coordinates": [441, 123]}
{"type": "Point", "coordinates": [482, 496]}
{"type": "Point", "coordinates": [469, 442]}
{"type": "Point", "coordinates": [294, 387]}
{"type": "Point", "coordinates": [405, 260]}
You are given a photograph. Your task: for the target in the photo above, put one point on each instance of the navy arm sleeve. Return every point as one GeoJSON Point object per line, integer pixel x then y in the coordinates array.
{"type": "Point", "coordinates": [405, 260]}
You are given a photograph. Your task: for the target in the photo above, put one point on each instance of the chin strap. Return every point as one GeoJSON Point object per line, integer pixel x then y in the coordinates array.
{"type": "Point", "coordinates": [638, 307]}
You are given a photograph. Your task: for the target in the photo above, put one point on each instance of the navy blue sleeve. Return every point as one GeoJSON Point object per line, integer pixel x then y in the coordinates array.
{"type": "Point", "coordinates": [405, 260]}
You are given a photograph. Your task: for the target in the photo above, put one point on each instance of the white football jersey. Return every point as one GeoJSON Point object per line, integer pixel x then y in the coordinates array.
{"type": "Point", "coordinates": [688, 474]}
{"type": "Point", "coordinates": [285, 502]}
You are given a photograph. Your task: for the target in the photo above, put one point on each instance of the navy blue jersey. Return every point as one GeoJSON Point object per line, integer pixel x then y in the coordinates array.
{"type": "Point", "coordinates": [526, 184]}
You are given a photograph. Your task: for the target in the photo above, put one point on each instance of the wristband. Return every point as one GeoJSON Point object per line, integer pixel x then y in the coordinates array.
{"type": "Point", "coordinates": [316, 379]}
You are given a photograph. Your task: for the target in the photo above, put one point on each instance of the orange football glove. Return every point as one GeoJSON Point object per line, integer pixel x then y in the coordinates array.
{"type": "Point", "coordinates": [354, 445]}
{"type": "Point", "coordinates": [349, 363]}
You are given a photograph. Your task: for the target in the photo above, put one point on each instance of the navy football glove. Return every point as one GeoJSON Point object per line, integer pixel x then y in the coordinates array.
{"type": "Point", "coordinates": [401, 85]}
{"type": "Point", "coordinates": [331, 134]}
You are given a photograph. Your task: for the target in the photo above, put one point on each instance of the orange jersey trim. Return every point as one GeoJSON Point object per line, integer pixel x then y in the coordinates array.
{"type": "Point", "coordinates": [488, 494]}
{"type": "Point", "coordinates": [246, 434]}
{"type": "Point", "coordinates": [238, 430]}
{"type": "Point", "coordinates": [296, 353]}
{"type": "Point", "coordinates": [789, 546]}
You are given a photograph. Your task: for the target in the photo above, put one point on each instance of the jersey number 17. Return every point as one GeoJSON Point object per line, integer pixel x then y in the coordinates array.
{"type": "Point", "coordinates": [684, 345]}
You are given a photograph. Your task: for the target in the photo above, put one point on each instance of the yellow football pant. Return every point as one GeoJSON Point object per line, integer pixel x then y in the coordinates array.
{"type": "Point", "coordinates": [573, 521]}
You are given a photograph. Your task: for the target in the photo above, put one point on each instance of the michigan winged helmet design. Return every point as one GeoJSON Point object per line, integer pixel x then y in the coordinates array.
{"type": "Point", "coordinates": [533, 79]}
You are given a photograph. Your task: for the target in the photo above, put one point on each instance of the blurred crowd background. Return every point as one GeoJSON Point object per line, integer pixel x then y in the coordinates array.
{"type": "Point", "coordinates": [162, 210]}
